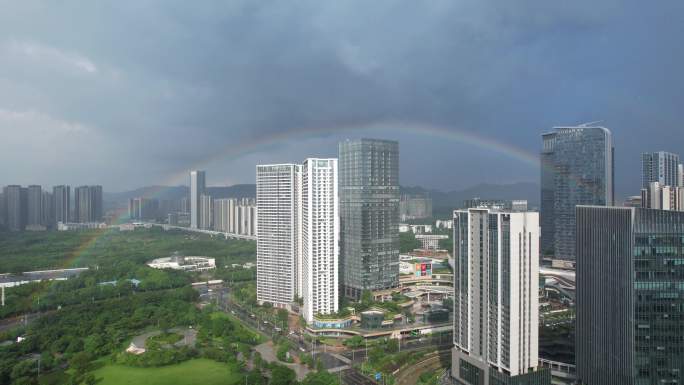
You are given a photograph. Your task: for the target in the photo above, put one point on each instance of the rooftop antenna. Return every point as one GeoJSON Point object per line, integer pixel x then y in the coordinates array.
{"type": "Point", "coordinates": [589, 124]}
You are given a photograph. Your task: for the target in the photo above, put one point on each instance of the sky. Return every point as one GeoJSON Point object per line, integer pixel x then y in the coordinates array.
{"type": "Point", "coordinates": [135, 93]}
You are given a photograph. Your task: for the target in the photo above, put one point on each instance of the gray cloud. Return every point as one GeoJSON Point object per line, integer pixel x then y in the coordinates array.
{"type": "Point", "coordinates": [134, 93]}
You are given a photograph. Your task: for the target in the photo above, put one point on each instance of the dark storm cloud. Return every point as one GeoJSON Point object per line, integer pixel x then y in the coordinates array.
{"type": "Point", "coordinates": [146, 90]}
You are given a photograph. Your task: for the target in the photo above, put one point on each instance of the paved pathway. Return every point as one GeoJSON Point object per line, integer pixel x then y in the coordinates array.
{"type": "Point", "coordinates": [268, 354]}
{"type": "Point", "coordinates": [189, 337]}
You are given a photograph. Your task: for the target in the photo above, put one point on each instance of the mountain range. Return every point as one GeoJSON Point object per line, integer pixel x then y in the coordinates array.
{"type": "Point", "coordinates": [442, 202]}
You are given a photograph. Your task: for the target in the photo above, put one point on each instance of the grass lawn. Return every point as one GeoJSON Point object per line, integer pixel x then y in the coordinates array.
{"type": "Point", "coordinates": [199, 371]}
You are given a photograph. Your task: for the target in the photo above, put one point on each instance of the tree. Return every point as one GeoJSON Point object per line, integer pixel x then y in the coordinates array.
{"type": "Point", "coordinates": [258, 361]}
{"type": "Point", "coordinates": [283, 316]}
{"type": "Point", "coordinates": [89, 379]}
{"type": "Point", "coordinates": [281, 375]}
{"type": "Point", "coordinates": [79, 362]}
{"type": "Point", "coordinates": [447, 244]}
{"type": "Point", "coordinates": [366, 298]}
{"type": "Point", "coordinates": [393, 345]}
{"type": "Point", "coordinates": [320, 378]}
{"type": "Point", "coordinates": [354, 342]}
{"type": "Point", "coordinates": [408, 242]}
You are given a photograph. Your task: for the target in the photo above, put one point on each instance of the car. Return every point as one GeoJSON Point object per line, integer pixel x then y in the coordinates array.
{"type": "Point", "coordinates": [277, 329]}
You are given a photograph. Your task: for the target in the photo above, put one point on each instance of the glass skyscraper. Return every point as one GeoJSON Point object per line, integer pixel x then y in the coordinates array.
{"type": "Point", "coordinates": [630, 296]}
{"type": "Point", "coordinates": [576, 169]}
{"type": "Point", "coordinates": [369, 215]}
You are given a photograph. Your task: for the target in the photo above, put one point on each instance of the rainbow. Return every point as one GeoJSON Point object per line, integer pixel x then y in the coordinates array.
{"type": "Point", "coordinates": [233, 151]}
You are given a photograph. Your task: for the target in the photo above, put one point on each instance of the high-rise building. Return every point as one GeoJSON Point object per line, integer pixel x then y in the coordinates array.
{"type": "Point", "coordinates": [184, 205]}
{"type": "Point", "coordinates": [661, 167]}
{"type": "Point", "coordinates": [662, 197]}
{"type": "Point", "coordinates": [630, 296]}
{"type": "Point", "coordinates": [221, 215]}
{"type": "Point", "coordinates": [48, 212]}
{"type": "Point", "coordinates": [143, 208]}
{"type": "Point", "coordinates": [35, 206]}
{"type": "Point", "coordinates": [205, 212]}
{"type": "Point", "coordinates": [369, 215]}
{"type": "Point", "coordinates": [680, 175]}
{"type": "Point", "coordinates": [62, 198]}
{"type": "Point", "coordinates": [3, 209]}
{"type": "Point", "coordinates": [496, 298]}
{"type": "Point", "coordinates": [320, 237]}
{"type": "Point", "coordinates": [231, 216]}
{"type": "Point", "coordinates": [88, 204]}
{"type": "Point", "coordinates": [197, 189]}
{"type": "Point", "coordinates": [577, 169]}
{"type": "Point", "coordinates": [278, 253]}
{"type": "Point", "coordinates": [16, 203]}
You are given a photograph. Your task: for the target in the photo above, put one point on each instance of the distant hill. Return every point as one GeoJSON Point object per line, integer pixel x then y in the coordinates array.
{"type": "Point", "coordinates": [178, 192]}
{"type": "Point", "coordinates": [442, 202]}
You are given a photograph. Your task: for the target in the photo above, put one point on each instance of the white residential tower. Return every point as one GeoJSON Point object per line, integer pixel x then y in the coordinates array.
{"type": "Point", "coordinates": [320, 236]}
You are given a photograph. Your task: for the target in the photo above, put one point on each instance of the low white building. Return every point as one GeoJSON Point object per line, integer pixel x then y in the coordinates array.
{"type": "Point", "coordinates": [191, 263]}
{"type": "Point", "coordinates": [80, 226]}
{"type": "Point", "coordinates": [416, 229]}
{"type": "Point", "coordinates": [430, 241]}
{"type": "Point", "coordinates": [444, 224]}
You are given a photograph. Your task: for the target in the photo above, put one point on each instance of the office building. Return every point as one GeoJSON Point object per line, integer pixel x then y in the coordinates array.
{"type": "Point", "coordinates": [661, 167]}
{"type": "Point", "coordinates": [278, 248]}
{"type": "Point", "coordinates": [496, 298]}
{"type": "Point", "coordinates": [35, 206]}
{"type": "Point", "coordinates": [320, 229]}
{"type": "Point", "coordinates": [62, 202]}
{"type": "Point", "coordinates": [16, 207]}
{"type": "Point", "coordinates": [680, 175]}
{"type": "Point", "coordinates": [206, 212]}
{"type": "Point", "coordinates": [577, 169]}
{"type": "Point", "coordinates": [630, 296]}
{"type": "Point", "coordinates": [197, 189]}
{"type": "Point", "coordinates": [88, 204]}
{"type": "Point", "coordinates": [369, 215]}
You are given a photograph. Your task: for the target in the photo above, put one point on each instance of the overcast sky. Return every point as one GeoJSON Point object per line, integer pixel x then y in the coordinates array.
{"type": "Point", "coordinates": [133, 93]}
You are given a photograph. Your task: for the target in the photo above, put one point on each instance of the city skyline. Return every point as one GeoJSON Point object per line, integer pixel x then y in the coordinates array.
{"type": "Point", "coordinates": [468, 192]}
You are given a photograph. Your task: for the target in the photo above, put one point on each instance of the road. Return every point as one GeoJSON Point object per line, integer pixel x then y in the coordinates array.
{"type": "Point", "coordinates": [353, 377]}
{"type": "Point", "coordinates": [411, 374]}
{"type": "Point", "coordinates": [25, 319]}
{"type": "Point", "coordinates": [359, 355]}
